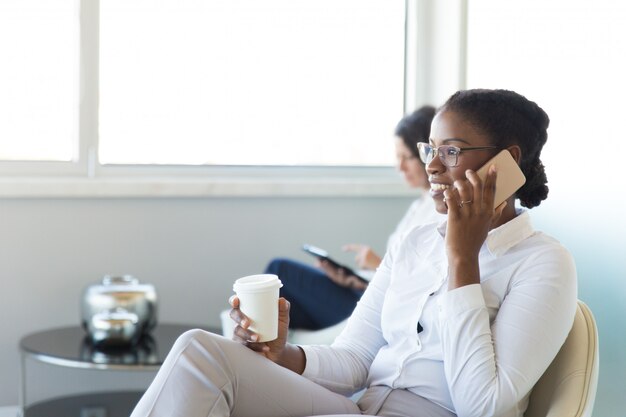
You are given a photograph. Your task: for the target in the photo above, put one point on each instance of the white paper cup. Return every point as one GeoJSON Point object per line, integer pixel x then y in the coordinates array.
{"type": "Point", "coordinates": [258, 300]}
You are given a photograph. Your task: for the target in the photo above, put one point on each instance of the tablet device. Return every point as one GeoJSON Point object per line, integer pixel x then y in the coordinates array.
{"type": "Point", "coordinates": [322, 254]}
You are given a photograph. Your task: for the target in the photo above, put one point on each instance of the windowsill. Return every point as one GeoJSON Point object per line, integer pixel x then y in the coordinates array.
{"type": "Point", "coordinates": [181, 187]}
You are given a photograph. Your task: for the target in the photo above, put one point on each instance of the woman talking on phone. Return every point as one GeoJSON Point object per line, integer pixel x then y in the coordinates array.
{"type": "Point", "coordinates": [461, 318]}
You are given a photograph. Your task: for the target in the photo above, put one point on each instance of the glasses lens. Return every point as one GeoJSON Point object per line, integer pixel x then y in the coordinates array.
{"type": "Point", "coordinates": [425, 151]}
{"type": "Point", "coordinates": [449, 155]}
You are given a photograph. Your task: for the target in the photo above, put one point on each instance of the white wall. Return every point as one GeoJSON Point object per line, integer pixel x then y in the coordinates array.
{"type": "Point", "coordinates": [191, 249]}
{"type": "Point", "coordinates": [591, 225]}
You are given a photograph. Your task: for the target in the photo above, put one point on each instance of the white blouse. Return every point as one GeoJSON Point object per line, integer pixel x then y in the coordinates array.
{"type": "Point", "coordinates": [482, 347]}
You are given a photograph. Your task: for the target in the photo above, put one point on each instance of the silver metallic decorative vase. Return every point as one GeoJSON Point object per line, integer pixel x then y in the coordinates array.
{"type": "Point", "coordinates": [118, 311]}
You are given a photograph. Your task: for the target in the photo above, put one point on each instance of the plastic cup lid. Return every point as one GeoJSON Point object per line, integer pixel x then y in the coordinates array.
{"type": "Point", "coordinates": [257, 283]}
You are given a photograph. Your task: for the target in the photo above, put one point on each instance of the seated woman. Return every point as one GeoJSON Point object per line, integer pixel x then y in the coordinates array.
{"type": "Point", "coordinates": [324, 296]}
{"type": "Point", "coordinates": [461, 318]}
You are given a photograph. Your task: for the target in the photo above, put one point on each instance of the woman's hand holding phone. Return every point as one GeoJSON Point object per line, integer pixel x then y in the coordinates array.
{"type": "Point", "coordinates": [475, 206]}
{"type": "Point", "coordinates": [341, 276]}
{"type": "Point", "coordinates": [471, 214]}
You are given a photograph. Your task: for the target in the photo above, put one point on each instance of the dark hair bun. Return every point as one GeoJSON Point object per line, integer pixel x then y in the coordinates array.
{"type": "Point", "coordinates": [508, 118]}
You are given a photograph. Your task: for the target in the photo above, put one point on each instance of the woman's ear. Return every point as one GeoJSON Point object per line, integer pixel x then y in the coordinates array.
{"type": "Point", "coordinates": [516, 152]}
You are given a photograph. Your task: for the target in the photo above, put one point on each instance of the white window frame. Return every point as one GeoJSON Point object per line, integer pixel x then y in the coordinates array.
{"type": "Point", "coordinates": [86, 178]}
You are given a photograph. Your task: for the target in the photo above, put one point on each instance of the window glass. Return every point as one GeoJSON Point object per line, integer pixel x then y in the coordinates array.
{"type": "Point", "coordinates": [568, 56]}
{"type": "Point", "coordinates": [249, 82]}
{"type": "Point", "coordinates": [39, 80]}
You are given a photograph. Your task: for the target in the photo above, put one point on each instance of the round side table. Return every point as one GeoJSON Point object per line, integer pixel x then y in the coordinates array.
{"type": "Point", "coordinates": [69, 347]}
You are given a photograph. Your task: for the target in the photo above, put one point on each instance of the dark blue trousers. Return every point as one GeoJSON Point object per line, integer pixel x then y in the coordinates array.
{"type": "Point", "coordinates": [316, 301]}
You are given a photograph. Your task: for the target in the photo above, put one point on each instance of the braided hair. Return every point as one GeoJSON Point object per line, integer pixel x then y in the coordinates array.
{"type": "Point", "coordinates": [509, 118]}
{"type": "Point", "coordinates": [415, 127]}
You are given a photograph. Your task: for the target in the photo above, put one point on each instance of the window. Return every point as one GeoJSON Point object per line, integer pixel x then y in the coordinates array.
{"type": "Point", "coordinates": [39, 80]}
{"type": "Point", "coordinates": [248, 82]}
{"type": "Point", "coordinates": [568, 55]}
{"type": "Point", "coordinates": [201, 82]}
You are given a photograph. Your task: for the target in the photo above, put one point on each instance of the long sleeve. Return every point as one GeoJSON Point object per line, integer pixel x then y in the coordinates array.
{"type": "Point", "coordinates": [491, 367]}
{"type": "Point", "coordinates": [343, 367]}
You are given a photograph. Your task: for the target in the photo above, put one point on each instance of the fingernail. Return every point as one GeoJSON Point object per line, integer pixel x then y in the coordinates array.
{"type": "Point", "coordinates": [492, 169]}
{"type": "Point", "coordinates": [254, 337]}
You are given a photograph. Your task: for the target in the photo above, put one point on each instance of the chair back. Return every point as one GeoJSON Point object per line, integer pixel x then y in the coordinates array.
{"type": "Point", "coordinates": [568, 387]}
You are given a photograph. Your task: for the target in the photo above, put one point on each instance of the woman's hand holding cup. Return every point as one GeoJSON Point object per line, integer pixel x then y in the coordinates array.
{"type": "Point", "coordinates": [257, 311]}
{"type": "Point", "coordinates": [271, 349]}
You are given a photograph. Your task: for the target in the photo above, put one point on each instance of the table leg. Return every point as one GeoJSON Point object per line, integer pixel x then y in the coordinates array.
{"type": "Point", "coordinates": [22, 392]}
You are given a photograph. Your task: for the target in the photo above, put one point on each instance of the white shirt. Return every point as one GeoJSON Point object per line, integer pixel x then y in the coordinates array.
{"type": "Point", "coordinates": [421, 211]}
{"type": "Point", "coordinates": [483, 346]}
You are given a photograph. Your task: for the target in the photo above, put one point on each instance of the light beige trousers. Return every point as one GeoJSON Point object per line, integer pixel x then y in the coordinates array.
{"type": "Point", "coordinates": [207, 375]}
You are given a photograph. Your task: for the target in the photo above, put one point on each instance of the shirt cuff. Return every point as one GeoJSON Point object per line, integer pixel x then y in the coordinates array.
{"type": "Point", "coordinates": [460, 300]}
{"type": "Point", "coordinates": [312, 361]}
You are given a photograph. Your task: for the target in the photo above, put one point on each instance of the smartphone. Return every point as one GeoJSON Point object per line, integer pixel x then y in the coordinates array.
{"type": "Point", "coordinates": [510, 176]}
{"type": "Point", "coordinates": [322, 254]}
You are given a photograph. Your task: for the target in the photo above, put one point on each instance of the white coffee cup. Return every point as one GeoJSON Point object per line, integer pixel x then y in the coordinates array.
{"type": "Point", "coordinates": [258, 300]}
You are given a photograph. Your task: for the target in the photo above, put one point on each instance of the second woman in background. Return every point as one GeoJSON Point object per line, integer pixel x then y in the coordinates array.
{"type": "Point", "coordinates": [324, 296]}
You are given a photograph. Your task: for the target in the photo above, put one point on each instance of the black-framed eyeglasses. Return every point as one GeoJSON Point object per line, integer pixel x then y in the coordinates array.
{"type": "Point", "coordinates": [448, 154]}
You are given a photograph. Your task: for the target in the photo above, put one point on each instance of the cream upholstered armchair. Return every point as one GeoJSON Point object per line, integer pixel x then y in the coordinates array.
{"type": "Point", "coordinates": [568, 387]}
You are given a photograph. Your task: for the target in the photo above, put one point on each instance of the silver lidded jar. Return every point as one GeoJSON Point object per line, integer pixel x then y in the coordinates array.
{"type": "Point", "coordinates": [118, 311]}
